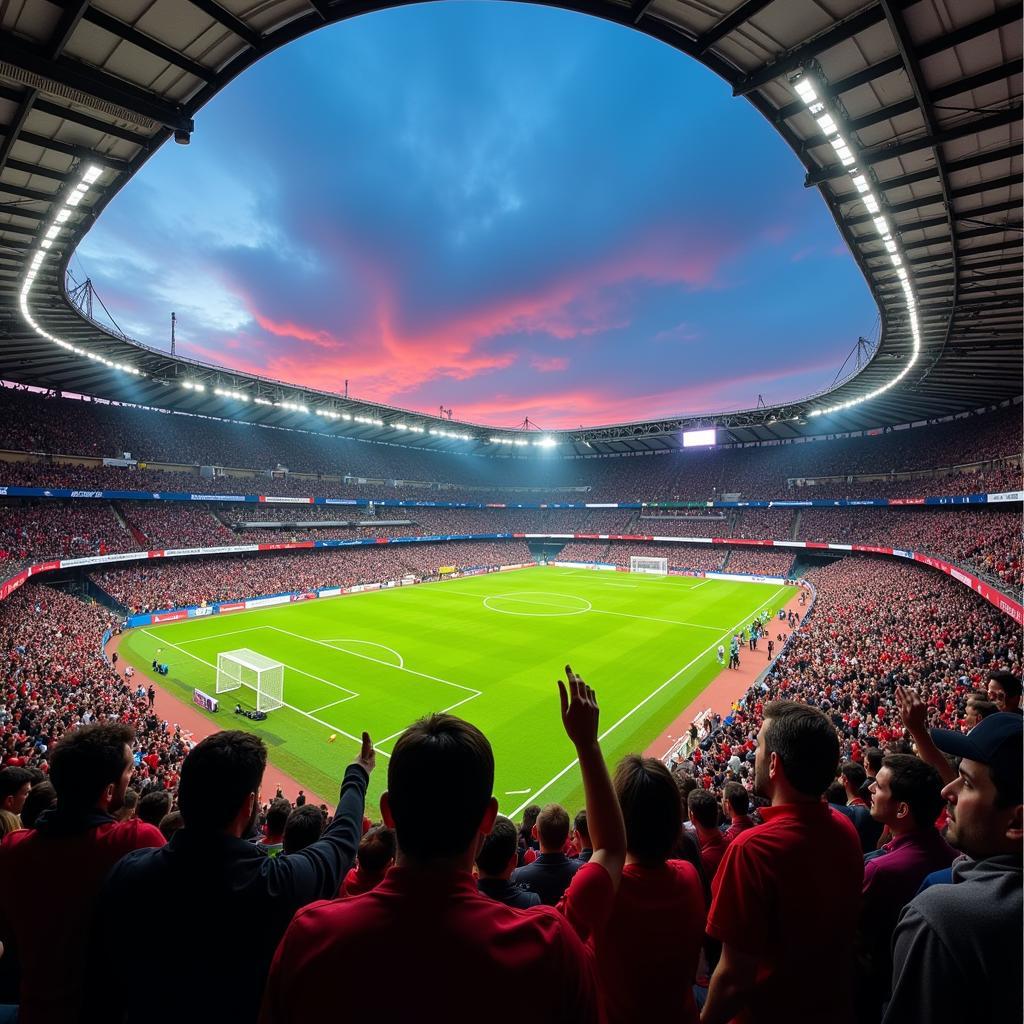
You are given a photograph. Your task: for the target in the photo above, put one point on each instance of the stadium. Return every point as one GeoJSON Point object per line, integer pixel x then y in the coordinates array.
{"type": "Point", "coordinates": [290, 684]}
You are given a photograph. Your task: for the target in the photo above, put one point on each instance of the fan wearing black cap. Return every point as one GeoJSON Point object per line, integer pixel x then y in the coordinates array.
{"type": "Point", "coordinates": [957, 949]}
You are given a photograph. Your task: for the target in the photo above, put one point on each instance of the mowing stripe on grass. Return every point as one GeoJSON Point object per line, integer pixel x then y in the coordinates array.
{"type": "Point", "coordinates": [537, 792]}
{"type": "Point", "coordinates": [290, 707]}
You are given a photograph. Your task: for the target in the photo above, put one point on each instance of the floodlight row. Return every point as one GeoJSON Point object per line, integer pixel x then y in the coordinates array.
{"type": "Point", "coordinates": [89, 176]}
{"type": "Point", "coordinates": [828, 118]}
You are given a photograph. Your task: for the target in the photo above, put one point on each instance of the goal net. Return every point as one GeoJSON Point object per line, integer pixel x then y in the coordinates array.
{"type": "Point", "coordinates": [247, 668]}
{"type": "Point", "coordinates": [652, 566]}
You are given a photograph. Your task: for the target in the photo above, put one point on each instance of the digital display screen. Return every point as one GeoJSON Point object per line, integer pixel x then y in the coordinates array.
{"type": "Point", "coordinates": [699, 438]}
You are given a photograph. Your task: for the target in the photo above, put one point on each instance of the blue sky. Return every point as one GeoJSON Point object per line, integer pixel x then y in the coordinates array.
{"type": "Point", "coordinates": [511, 211]}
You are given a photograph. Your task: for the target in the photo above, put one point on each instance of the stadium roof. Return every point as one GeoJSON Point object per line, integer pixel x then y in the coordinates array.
{"type": "Point", "coordinates": [925, 95]}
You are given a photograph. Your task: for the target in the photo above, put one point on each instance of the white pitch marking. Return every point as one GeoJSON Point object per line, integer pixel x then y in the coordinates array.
{"type": "Point", "coordinates": [516, 792]}
{"type": "Point", "coordinates": [443, 711]}
{"type": "Point", "coordinates": [217, 636]}
{"type": "Point", "coordinates": [562, 609]}
{"type": "Point", "coordinates": [305, 714]}
{"type": "Point", "coordinates": [368, 643]}
{"type": "Point", "coordinates": [334, 703]}
{"type": "Point", "coordinates": [671, 679]}
{"type": "Point", "coordinates": [386, 664]}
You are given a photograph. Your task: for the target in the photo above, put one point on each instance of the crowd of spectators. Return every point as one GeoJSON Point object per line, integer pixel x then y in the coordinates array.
{"type": "Point", "coordinates": [759, 561]}
{"type": "Point", "coordinates": [69, 427]}
{"type": "Point", "coordinates": [175, 525]}
{"type": "Point", "coordinates": [59, 529]}
{"type": "Point", "coordinates": [145, 586]}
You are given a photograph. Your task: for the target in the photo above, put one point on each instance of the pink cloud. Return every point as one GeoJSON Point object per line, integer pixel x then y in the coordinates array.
{"type": "Point", "coordinates": [550, 364]}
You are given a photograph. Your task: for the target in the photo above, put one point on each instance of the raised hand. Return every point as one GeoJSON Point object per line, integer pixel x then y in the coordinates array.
{"type": "Point", "coordinates": [913, 710]}
{"type": "Point", "coordinates": [367, 758]}
{"type": "Point", "coordinates": [580, 712]}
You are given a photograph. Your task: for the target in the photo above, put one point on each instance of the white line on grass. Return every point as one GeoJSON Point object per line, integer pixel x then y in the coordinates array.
{"type": "Point", "coordinates": [386, 664]}
{"type": "Point", "coordinates": [332, 641]}
{"type": "Point", "coordinates": [671, 679]}
{"type": "Point", "coordinates": [443, 711]}
{"type": "Point", "coordinates": [217, 636]}
{"type": "Point", "coordinates": [290, 707]}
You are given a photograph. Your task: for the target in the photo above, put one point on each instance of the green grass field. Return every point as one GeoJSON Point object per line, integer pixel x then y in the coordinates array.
{"type": "Point", "coordinates": [489, 648]}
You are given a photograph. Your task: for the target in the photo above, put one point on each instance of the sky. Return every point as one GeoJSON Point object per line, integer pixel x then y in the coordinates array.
{"type": "Point", "coordinates": [510, 211]}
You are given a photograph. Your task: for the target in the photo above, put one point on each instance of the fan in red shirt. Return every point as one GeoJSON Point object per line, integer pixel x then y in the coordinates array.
{"type": "Point", "coordinates": [50, 876]}
{"type": "Point", "coordinates": [659, 899]}
{"type": "Point", "coordinates": [787, 892]}
{"type": "Point", "coordinates": [376, 854]}
{"type": "Point", "coordinates": [703, 808]}
{"type": "Point", "coordinates": [460, 952]}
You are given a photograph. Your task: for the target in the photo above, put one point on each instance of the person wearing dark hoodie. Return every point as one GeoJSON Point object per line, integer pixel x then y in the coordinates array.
{"type": "Point", "coordinates": [957, 948]}
{"type": "Point", "coordinates": [50, 876]}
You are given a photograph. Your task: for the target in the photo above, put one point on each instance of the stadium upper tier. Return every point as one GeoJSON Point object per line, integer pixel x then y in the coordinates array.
{"type": "Point", "coordinates": [906, 117]}
{"type": "Point", "coordinates": [93, 431]}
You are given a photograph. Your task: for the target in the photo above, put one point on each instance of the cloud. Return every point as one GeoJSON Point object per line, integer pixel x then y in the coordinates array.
{"type": "Point", "coordinates": [550, 364]}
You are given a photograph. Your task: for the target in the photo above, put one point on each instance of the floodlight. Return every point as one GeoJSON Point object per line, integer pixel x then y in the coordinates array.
{"type": "Point", "coordinates": [92, 172]}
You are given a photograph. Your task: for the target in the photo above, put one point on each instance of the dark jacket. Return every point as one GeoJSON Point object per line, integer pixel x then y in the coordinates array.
{"type": "Point", "coordinates": [212, 908]}
{"type": "Point", "coordinates": [505, 892]}
{"type": "Point", "coordinates": [868, 830]}
{"type": "Point", "coordinates": [548, 876]}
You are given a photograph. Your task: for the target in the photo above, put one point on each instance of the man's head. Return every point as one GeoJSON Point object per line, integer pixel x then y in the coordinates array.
{"type": "Point", "coordinates": [153, 806]}
{"type": "Point", "coordinates": [703, 808]}
{"type": "Point", "coordinates": [853, 776]}
{"type": "Point", "coordinates": [797, 753]}
{"type": "Point", "coordinates": [91, 766]}
{"type": "Point", "coordinates": [986, 811]}
{"type": "Point", "coordinates": [303, 827]}
{"type": "Point", "coordinates": [497, 855]}
{"type": "Point", "coordinates": [15, 784]}
{"type": "Point", "coordinates": [1004, 690]}
{"type": "Point", "coordinates": [685, 785]}
{"type": "Point", "coordinates": [42, 796]}
{"type": "Point", "coordinates": [277, 818]}
{"type": "Point", "coordinates": [581, 830]}
{"type": "Point", "coordinates": [979, 707]}
{"type": "Point", "coordinates": [220, 783]}
{"type": "Point", "coordinates": [872, 761]}
{"type": "Point", "coordinates": [735, 800]}
{"type": "Point", "coordinates": [440, 754]}
{"type": "Point", "coordinates": [836, 793]}
{"type": "Point", "coordinates": [906, 794]}
{"type": "Point", "coordinates": [651, 807]}
{"type": "Point", "coordinates": [552, 828]}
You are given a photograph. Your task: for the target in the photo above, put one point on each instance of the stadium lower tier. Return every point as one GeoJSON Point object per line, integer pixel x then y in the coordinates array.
{"type": "Point", "coordinates": [985, 539]}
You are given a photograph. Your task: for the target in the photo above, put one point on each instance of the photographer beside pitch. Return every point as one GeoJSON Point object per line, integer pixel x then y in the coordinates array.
{"type": "Point", "coordinates": [211, 904]}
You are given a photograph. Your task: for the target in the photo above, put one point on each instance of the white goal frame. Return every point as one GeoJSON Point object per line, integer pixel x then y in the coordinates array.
{"type": "Point", "coordinates": [247, 668]}
{"type": "Point", "coordinates": [650, 566]}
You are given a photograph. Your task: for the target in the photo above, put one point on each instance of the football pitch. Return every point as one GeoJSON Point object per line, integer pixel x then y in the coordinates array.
{"type": "Point", "coordinates": [488, 648]}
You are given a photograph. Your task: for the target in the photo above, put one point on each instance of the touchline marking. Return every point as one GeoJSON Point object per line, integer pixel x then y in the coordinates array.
{"type": "Point", "coordinates": [290, 707]}
{"type": "Point", "coordinates": [386, 664]}
{"type": "Point", "coordinates": [671, 679]}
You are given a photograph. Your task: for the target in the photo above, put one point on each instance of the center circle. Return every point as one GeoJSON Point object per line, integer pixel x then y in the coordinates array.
{"type": "Point", "coordinates": [545, 605]}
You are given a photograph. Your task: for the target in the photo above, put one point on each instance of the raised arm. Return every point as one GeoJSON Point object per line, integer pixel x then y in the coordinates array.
{"type": "Point", "coordinates": [580, 715]}
{"type": "Point", "coordinates": [914, 713]}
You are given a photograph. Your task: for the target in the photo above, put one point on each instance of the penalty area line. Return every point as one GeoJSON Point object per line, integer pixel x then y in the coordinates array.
{"type": "Point", "coordinates": [290, 707]}
{"type": "Point", "coordinates": [671, 679]}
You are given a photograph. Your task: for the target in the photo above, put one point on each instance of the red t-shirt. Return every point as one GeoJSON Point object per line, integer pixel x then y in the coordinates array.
{"type": "Point", "coordinates": [48, 888]}
{"type": "Point", "coordinates": [712, 850]}
{"type": "Point", "coordinates": [646, 938]}
{"type": "Point", "coordinates": [358, 881]}
{"type": "Point", "coordinates": [431, 945]}
{"type": "Point", "coordinates": [788, 892]}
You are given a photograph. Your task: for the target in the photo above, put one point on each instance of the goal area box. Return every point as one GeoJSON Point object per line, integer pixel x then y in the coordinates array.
{"type": "Point", "coordinates": [651, 566]}
{"type": "Point", "coordinates": [247, 668]}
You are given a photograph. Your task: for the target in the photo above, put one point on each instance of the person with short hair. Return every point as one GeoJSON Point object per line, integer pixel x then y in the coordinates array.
{"type": "Point", "coordinates": [50, 876]}
{"type": "Point", "coordinates": [304, 826]}
{"type": "Point", "coordinates": [659, 898]}
{"type": "Point", "coordinates": [212, 874]}
{"type": "Point", "coordinates": [736, 807]}
{"type": "Point", "coordinates": [787, 891]}
{"type": "Point", "coordinates": [456, 947]}
{"type": "Point", "coordinates": [957, 948]}
{"type": "Point", "coordinates": [703, 808]}
{"type": "Point", "coordinates": [376, 854]}
{"type": "Point", "coordinates": [1004, 691]}
{"type": "Point", "coordinates": [154, 806]}
{"type": "Point", "coordinates": [495, 862]}
{"type": "Point", "coordinates": [41, 797]}
{"type": "Point", "coordinates": [581, 837]}
{"type": "Point", "coordinates": [15, 784]}
{"type": "Point", "coordinates": [550, 874]}
{"type": "Point", "coordinates": [872, 763]}
{"type": "Point", "coordinates": [906, 800]}
{"type": "Point", "coordinates": [170, 823]}
{"type": "Point", "coordinates": [277, 817]}
{"type": "Point", "coordinates": [978, 709]}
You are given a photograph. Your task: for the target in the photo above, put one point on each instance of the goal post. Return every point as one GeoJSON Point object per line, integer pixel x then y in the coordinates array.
{"type": "Point", "coordinates": [651, 566]}
{"type": "Point", "coordinates": [247, 668]}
